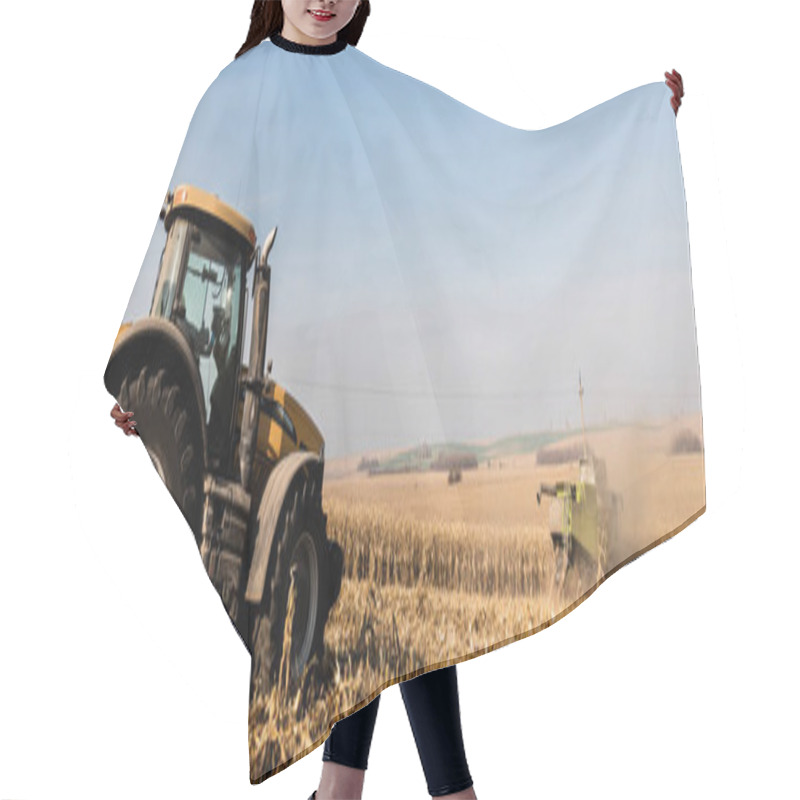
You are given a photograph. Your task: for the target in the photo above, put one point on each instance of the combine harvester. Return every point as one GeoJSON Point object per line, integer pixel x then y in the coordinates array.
{"type": "Point", "coordinates": [584, 516]}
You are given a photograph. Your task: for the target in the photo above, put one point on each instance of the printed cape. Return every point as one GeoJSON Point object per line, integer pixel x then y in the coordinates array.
{"type": "Point", "coordinates": [419, 381]}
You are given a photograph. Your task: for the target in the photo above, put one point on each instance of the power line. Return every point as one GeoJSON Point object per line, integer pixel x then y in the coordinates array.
{"type": "Point", "coordinates": [428, 393]}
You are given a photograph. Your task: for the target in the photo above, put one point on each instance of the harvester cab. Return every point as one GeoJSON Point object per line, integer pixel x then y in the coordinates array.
{"type": "Point", "coordinates": [586, 471]}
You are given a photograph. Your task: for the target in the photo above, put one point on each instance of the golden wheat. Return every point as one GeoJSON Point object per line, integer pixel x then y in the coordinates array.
{"type": "Point", "coordinates": [420, 593]}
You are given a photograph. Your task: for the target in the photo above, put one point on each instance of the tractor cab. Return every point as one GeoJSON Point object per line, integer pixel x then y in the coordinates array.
{"type": "Point", "coordinates": [201, 289]}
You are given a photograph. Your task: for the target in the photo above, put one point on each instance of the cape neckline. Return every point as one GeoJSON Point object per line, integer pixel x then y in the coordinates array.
{"type": "Point", "coordinates": [309, 49]}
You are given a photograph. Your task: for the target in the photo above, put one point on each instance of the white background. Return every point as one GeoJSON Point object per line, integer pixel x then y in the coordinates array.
{"type": "Point", "coordinates": [119, 676]}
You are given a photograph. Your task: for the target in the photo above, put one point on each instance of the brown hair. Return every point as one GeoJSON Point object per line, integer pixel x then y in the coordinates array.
{"type": "Point", "coordinates": [266, 18]}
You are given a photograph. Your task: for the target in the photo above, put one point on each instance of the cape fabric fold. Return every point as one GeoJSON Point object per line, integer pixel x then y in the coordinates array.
{"type": "Point", "coordinates": [418, 380]}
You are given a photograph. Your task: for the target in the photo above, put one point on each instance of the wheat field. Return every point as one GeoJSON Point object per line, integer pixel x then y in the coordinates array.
{"type": "Point", "coordinates": [435, 574]}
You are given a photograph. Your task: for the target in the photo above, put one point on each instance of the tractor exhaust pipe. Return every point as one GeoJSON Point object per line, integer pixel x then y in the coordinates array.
{"type": "Point", "coordinates": [255, 369]}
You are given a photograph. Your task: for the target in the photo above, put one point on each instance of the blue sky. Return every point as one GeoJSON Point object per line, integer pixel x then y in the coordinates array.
{"type": "Point", "coordinates": [438, 274]}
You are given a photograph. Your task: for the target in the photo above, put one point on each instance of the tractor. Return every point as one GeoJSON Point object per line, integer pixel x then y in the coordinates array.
{"type": "Point", "coordinates": [238, 453]}
{"type": "Point", "coordinates": [584, 515]}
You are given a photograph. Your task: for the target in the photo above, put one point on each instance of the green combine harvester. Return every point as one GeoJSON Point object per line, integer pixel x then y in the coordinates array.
{"type": "Point", "coordinates": [584, 515]}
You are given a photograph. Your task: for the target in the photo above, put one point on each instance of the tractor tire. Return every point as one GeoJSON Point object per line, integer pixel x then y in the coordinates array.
{"type": "Point", "coordinates": [171, 432]}
{"type": "Point", "coordinates": [301, 550]}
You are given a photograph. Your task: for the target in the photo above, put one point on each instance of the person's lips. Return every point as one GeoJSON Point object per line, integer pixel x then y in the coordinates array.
{"type": "Point", "coordinates": [321, 15]}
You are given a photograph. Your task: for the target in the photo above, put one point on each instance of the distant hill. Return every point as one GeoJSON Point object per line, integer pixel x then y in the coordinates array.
{"type": "Point", "coordinates": [423, 458]}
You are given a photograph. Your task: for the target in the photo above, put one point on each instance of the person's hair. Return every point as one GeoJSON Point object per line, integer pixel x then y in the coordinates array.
{"type": "Point", "coordinates": [266, 18]}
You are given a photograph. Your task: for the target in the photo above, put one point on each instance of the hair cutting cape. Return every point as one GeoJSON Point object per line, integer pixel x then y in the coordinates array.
{"type": "Point", "coordinates": [419, 381]}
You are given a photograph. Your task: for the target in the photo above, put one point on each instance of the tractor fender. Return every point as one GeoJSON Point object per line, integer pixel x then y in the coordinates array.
{"type": "Point", "coordinates": [269, 509]}
{"type": "Point", "coordinates": [153, 340]}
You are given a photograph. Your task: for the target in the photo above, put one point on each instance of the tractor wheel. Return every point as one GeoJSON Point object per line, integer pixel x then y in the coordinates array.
{"type": "Point", "coordinates": [300, 564]}
{"type": "Point", "coordinates": [172, 435]}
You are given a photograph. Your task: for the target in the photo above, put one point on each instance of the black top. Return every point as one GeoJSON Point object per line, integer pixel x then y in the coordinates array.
{"type": "Point", "coordinates": [310, 49]}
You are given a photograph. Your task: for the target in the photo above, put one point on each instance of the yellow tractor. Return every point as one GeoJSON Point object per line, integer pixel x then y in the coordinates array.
{"type": "Point", "coordinates": [240, 456]}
